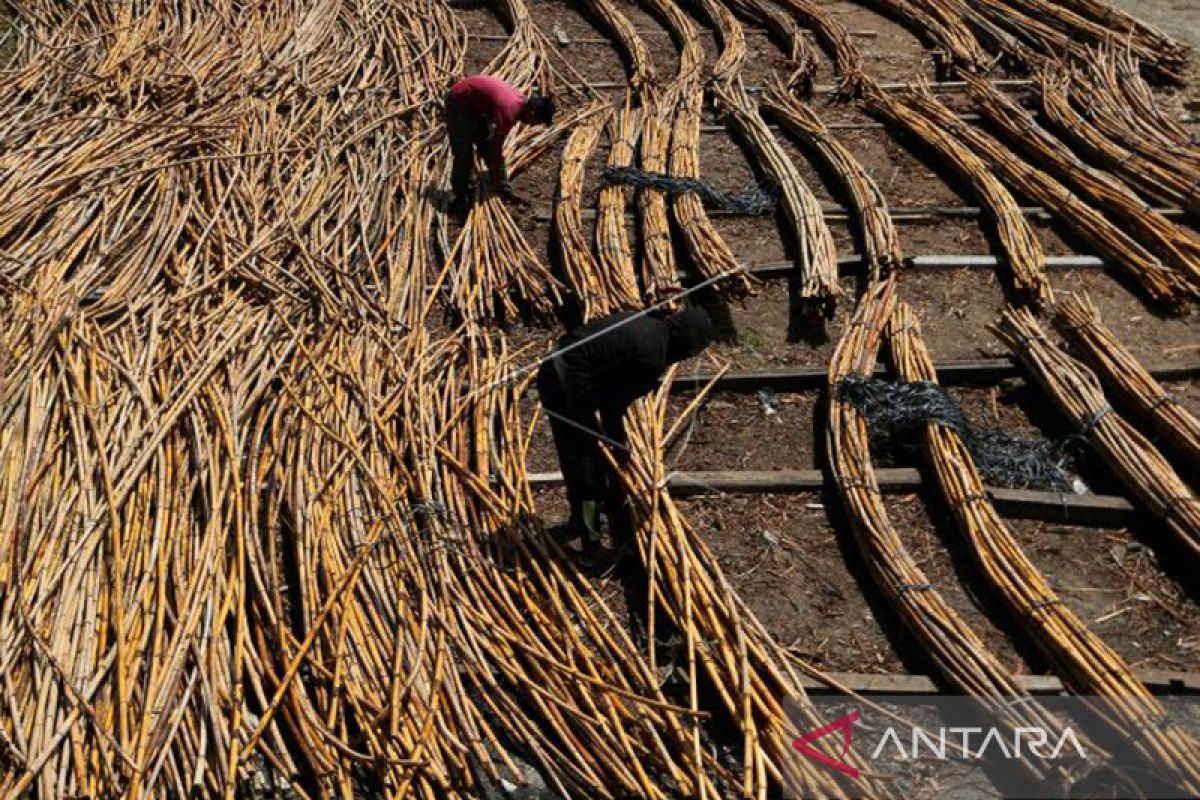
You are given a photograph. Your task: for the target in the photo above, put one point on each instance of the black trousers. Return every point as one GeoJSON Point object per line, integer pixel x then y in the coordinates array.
{"type": "Point", "coordinates": [586, 472]}
{"type": "Point", "coordinates": [467, 134]}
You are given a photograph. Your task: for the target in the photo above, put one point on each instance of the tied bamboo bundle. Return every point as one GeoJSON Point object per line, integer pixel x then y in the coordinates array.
{"type": "Point", "coordinates": [958, 654]}
{"type": "Point", "coordinates": [943, 25]}
{"type": "Point", "coordinates": [643, 78]}
{"type": "Point", "coordinates": [1079, 30]}
{"type": "Point", "coordinates": [1078, 319]}
{"type": "Point", "coordinates": [1122, 107]}
{"type": "Point", "coordinates": [881, 246]}
{"type": "Point", "coordinates": [1159, 281]}
{"type": "Point", "coordinates": [816, 254]}
{"type": "Point", "coordinates": [1022, 249]}
{"type": "Point", "coordinates": [1131, 457]}
{"type": "Point", "coordinates": [612, 240]}
{"type": "Point", "coordinates": [587, 280]}
{"type": "Point", "coordinates": [801, 58]}
{"type": "Point", "coordinates": [1179, 246]}
{"type": "Point", "coordinates": [848, 60]}
{"type": "Point", "coordinates": [709, 253]}
{"type": "Point", "coordinates": [1085, 663]}
{"type": "Point", "coordinates": [1169, 52]}
{"type": "Point", "coordinates": [724, 642]}
{"type": "Point", "coordinates": [1114, 67]}
{"type": "Point", "coordinates": [660, 276]}
{"type": "Point", "coordinates": [1147, 175]}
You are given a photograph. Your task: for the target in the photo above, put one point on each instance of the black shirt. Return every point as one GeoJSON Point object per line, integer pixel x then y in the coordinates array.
{"type": "Point", "coordinates": [611, 371]}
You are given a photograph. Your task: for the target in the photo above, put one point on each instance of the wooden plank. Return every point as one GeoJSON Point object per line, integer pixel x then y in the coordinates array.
{"type": "Point", "coordinates": [849, 266]}
{"type": "Point", "coordinates": [910, 214]}
{"type": "Point", "coordinates": [1073, 509]}
{"type": "Point", "coordinates": [1159, 682]}
{"type": "Point", "coordinates": [1070, 509]}
{"type": "Point", "coordinates": [950, 373]}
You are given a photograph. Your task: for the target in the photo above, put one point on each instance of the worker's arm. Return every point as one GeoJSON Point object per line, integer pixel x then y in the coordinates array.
{"type": "Point", "coordinates": [497, 168]}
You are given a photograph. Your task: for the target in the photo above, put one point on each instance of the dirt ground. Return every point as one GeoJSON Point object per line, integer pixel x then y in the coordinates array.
{"type": "Point", "coordinates": [793, 558]}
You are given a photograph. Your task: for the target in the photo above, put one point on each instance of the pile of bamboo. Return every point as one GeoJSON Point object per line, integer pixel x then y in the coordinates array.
{"type": "Point", "coordinates": [1087, 666]}
{"type": "Point", "coordinates": [880, 245]}
{"type": "Point", "coordinates": [1057, 87]}
{"type": "Point", "coordinates": [1022, 248]}
{"type": "Point", "coordinates": [1179, 246]}
{"type": "Point", "coordinates": [848, 59]}
{"type": "Point", "coordinates": [589, 283]}
{"type": "Point", "coordinates": [958, 654]}
{"type": "Point", "coordinates": [816, 254]}
{"type": "Point", "coordinates": [1131, 457]}
{"type": "Point", "coordinates": [1078, 319]}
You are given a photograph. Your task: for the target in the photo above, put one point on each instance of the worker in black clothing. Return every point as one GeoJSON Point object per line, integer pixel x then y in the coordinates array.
{"type": "Point", "coordinates": [613, 362]}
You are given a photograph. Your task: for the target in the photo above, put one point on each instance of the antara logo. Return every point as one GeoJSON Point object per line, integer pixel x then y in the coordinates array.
{"type": "Point", "coordinates": [1035, 741]}
{"type": "Point", "coordinates": [802, 744]}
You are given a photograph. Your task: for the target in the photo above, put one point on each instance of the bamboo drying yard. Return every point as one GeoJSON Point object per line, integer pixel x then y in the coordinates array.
{"type": "Point", "coordinates": [278, 507]}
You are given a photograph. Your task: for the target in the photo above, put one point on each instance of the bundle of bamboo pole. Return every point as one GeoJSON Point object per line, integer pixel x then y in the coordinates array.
{"type": "Point", "coordinates": [1127, 452]}
{"type": "Point", "coordinates": [801, 58]}
{"type": "Point", "coordinates": [848, 59]}
{"type": "Point", "coordinates": [1078, 319]}
{"type": "Point", "coordinates": [660, 276]}
{"type": "Point", "coordinates": [1159, 281]}
{"type": "Point", "coordinates": [613, 249]}
{"type": "Point", "coordinates": [1022, 249]}
{"type": "Point", "coordinates": [942, 25]}
{"type": "Point", "coordinates": [584, 275]}
{"type": "Point", "coordinates": [880, 245]}
{"type": "Point", "coordinates": [1123, 108]}
{"type": "Point", "coordinates": [1179, 246]}
{"type": "Point", "coordinates": [1056, 88]}
{"type": "Point", "coordinates": [816, 254]}
{"type": "Point", "coordinates": [954, 649]}
{"type": "Point", "coordinates": [1085, 663]}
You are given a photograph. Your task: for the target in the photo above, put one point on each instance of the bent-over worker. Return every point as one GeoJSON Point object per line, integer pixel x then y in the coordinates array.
{"type": "Point", "coordinates": [622, 359]}
{"type": "Point", "coordinates": [480, 112]}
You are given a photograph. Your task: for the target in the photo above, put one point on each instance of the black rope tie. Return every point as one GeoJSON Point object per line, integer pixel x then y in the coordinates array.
{"type": "Point", "coordinates": [1042, 605]}
{"type": "Point", "coordinates": [914, 587]}
{"type": "Point", "coordinates": [1160, 401]}
{"type": "Point", "coordinates": [754, 201]}
{"type": "Point", "coordinates": [1087, 424]}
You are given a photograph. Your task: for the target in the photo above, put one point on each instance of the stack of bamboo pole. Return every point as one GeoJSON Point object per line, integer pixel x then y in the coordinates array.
{"type": "Point", "coordinates": [1126, 451]}
{"type": "Point", "coordinates": [1085, 663]}
{"type": "Point", "coordinates": [954, 649]}
{"type": "Point", "coordinates": [848, 59]}
{"type": "Point", "coordinates": [613, 248]}
{"type": "Point", "coordinates": [1078, 319]}
{"type": "Point", "coordinates": [587, 280]}
{"type": "Point", "coordinates": [1056, 89]}
{"type": "Point", "coordinates": [1178, 245]}
{"type": "Point", "coordinates": [1022, 249]}
{"type": "Point", "coordinates": [1159, 281]}
{"type": "Point", "coordinates": [880, 244]}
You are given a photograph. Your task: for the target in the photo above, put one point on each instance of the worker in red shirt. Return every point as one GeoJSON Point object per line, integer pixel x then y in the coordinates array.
{"type": "Point", "coordinates": [480, 111]}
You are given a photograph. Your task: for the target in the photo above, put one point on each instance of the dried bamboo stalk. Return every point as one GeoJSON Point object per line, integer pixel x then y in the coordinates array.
{"type": "Point", "coordinates": [1078, 319]}
{"type": "Point", "coordinates": [1085, 663]}
{"type": "Point", "coordinates": [1021, 246]}
{"type": "Point", "coordinates": [1128, 453]}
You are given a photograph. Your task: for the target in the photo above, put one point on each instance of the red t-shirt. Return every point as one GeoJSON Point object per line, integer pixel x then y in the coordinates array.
{"type": "Point", "coordinates": [490, 97]}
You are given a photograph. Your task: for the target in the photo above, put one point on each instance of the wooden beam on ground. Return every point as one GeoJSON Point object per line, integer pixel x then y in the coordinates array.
{"type": "Point", "coordinates": [1159, 682]}
{"type": "Point", "coordinates": [1060, 507]}
{"type": "Point", "coordinates": [963, 372]}
{"type": "Point", "coordinates": [838, 213]}
{"type": "Point", "coordinates": [851, 265]}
